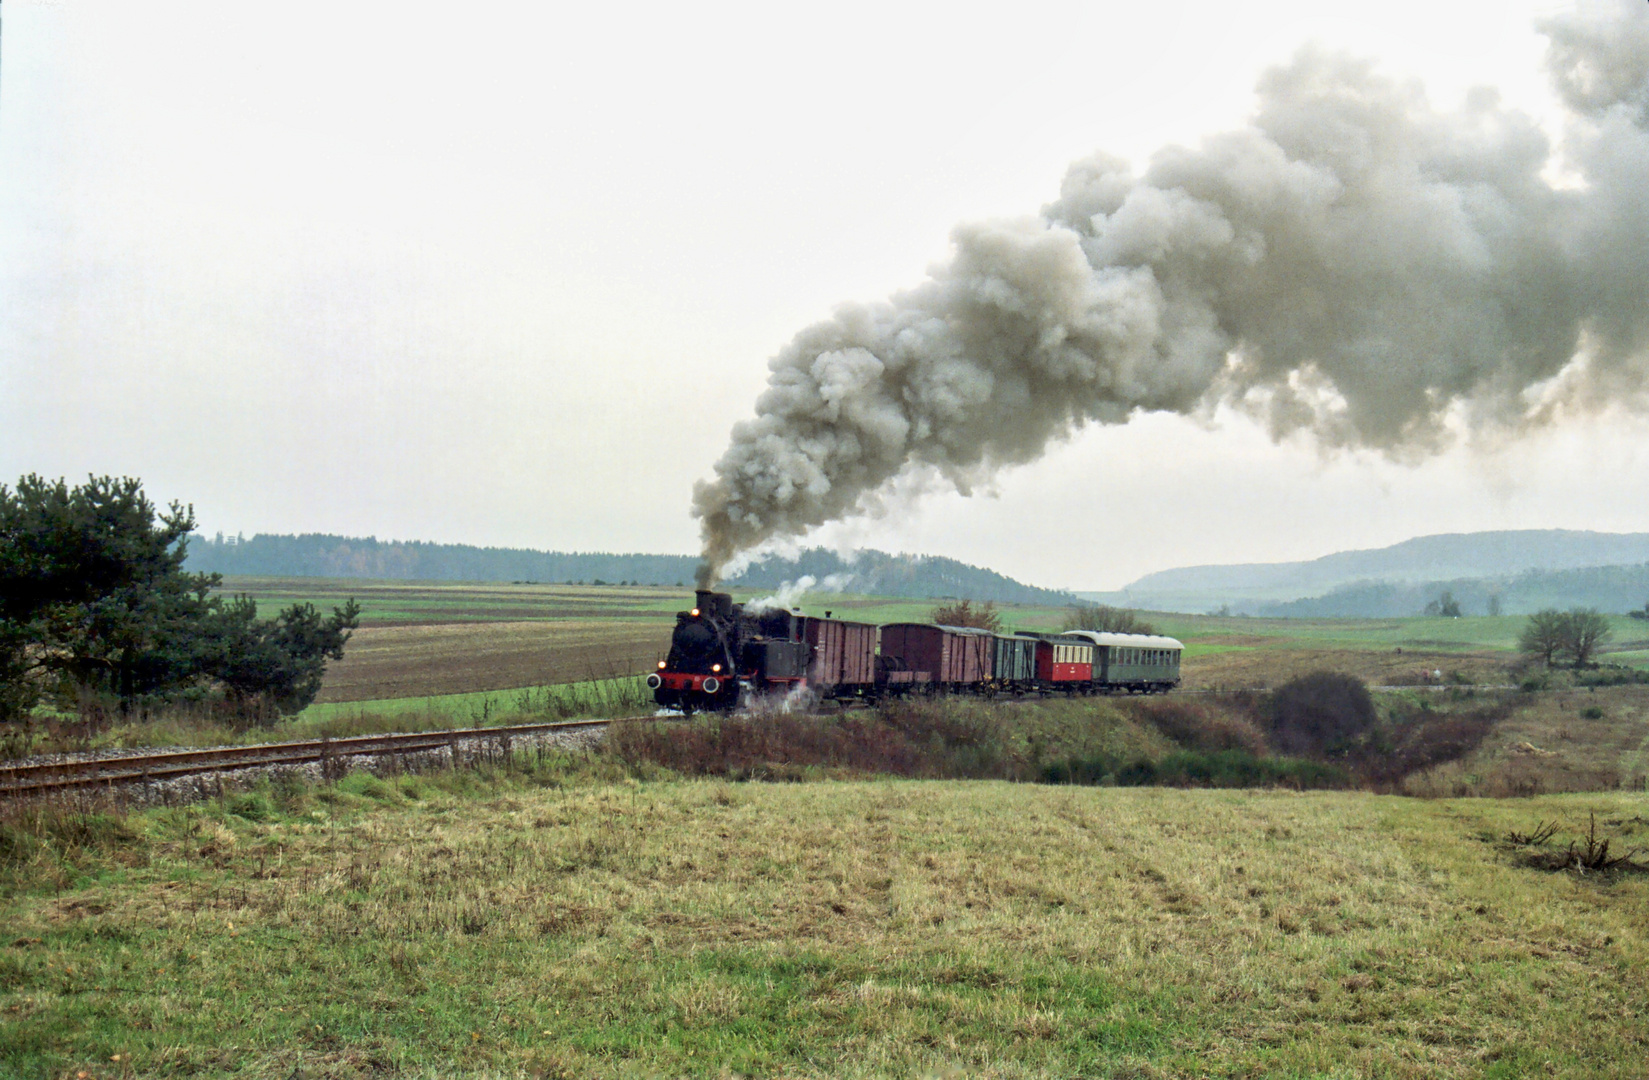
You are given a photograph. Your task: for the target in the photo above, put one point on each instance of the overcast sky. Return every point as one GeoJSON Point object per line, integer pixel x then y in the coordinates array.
{"type": "Point", "coordinates": [507, 273]}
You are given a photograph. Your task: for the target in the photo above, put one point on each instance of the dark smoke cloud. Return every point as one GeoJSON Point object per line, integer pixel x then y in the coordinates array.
{"type": "Point", "coordinates": [1355, 264]}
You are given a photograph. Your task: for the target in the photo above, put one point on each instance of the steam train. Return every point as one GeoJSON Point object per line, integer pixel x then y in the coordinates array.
{"type": "Point", "coordinates": [722, 654]}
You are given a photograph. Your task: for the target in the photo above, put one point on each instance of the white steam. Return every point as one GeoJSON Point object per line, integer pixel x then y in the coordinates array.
{"type": "Point", "coordinates": [790, 593]}
{"type": "Point", "coordinates": [1355, 264]}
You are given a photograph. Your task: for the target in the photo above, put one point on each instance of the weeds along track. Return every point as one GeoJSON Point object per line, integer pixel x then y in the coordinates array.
{"type": "Point", "coordinates": [328, 757]}
{"type": "Point", "coordinates": [40, 777]}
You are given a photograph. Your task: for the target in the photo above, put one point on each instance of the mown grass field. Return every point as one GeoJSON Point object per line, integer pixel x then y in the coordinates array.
{"type": "Point", "coordinates": [563, 922]}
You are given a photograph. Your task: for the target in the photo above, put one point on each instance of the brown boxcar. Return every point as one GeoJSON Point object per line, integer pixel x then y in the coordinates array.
{"type": "Point", "coordinates": [949, 654]}
{"type": "Point", "coordinates": [843, 653]}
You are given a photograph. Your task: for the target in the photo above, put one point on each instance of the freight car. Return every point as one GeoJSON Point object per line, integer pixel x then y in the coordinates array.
{"type": "Point", "coordinates": [724, 653]}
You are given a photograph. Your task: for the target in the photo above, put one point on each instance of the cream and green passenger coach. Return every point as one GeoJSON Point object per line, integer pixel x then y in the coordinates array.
{"type": "Point", "coordinates": [1138, 663]}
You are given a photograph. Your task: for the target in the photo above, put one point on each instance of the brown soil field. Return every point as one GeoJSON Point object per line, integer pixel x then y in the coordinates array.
{"type": "Point", "coordinates": [399, 603]}
{"type": "Point", "coordinates": [424, 660]}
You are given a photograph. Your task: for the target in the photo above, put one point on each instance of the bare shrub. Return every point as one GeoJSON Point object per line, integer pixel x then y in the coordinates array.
{"type": "Point", "coordinates": [967, 613]}
{"type": "Point", "coordinates": [1103, 618]}
{"type": "Point", "coordinates": [1535, 837]}
{"type": "Point", "coordinates": [1321, 715]}
{"type": "Point", "coordinates": [1589, 852]}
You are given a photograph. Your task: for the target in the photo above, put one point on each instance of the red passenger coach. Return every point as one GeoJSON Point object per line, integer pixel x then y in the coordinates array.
{"type": "Point", "coordinates": [1063, 661]}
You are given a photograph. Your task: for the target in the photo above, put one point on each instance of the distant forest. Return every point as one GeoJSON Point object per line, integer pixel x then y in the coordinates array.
{"type": "Point", "coordinates": [871, 572]}
{"type": "Point", "coordinates": [1616, 589]}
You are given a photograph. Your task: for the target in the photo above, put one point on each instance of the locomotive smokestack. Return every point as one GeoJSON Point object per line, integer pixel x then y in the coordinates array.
{"type": "Point", "coordinates": [710, 602]}
{"type": "Point", "coordinates": [1354, 264]}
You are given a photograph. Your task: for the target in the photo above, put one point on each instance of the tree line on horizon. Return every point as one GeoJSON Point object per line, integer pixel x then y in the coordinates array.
{"type": "Point", "coordinates": [869, 571]}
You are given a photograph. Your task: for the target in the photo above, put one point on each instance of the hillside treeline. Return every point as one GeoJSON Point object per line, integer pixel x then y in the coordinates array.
{"type": "Point", "coordinates": [1617, 589]}
{"type": "Point", "coordinates": [877, 573]}
{"type": "Point", "coordinates": [318, 555]}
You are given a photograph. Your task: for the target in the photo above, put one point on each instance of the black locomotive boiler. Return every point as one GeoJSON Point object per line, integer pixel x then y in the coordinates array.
{"type": "Point", "coordinates": [722, 652]}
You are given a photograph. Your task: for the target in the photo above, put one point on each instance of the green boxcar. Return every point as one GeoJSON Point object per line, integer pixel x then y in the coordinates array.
{"type": "Point", "coordinates": [1015, 659]}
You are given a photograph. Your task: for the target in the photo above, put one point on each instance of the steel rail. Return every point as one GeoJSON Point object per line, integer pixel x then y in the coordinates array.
{"type": "Point", "coordinates": [41, 776]}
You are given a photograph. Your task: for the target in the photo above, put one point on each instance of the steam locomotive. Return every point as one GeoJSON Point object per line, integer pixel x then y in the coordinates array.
{"type": "Point", "coordinates": [722, 654]}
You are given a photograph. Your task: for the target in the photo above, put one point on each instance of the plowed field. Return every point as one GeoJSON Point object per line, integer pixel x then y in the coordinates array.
{"type": "Point", "coordinates": [423, 639]}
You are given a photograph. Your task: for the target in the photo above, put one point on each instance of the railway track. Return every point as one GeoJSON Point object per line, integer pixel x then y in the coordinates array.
{"type": "Point", "coordinates": [37, 778]}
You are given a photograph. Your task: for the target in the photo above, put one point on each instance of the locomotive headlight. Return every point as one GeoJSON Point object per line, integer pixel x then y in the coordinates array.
{"type": "Point", "coordinates": [694, 613]}
{"type": "Point", "coordinates": [716, 668]}
{"type": "Point", "coordinates": [661, 665]}
{"type": "Point", "coordinates": [654, 682]}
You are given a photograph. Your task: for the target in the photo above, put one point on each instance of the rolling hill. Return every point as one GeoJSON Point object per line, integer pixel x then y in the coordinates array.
{"type": "Point", "coordinates": [1527, 569]}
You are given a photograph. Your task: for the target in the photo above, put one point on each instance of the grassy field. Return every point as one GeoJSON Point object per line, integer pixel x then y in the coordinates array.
{"type": "Point", "coordinates": [608, 915]}
{"type": "Point", "coordinates": [564, 922]}
{"type": "Point", "coordinates": [1565, 740]}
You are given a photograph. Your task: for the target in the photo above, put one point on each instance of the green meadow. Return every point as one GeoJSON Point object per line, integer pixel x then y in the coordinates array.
{"type": "Point", "coordinates": [566, 918]}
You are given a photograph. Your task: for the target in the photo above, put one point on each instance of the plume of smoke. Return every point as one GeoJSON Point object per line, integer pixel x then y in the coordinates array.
{"type": "Point", "coordinates": [790, 593]}
{"type": "Point", "coordinates": [1354, 264]}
